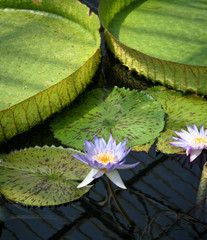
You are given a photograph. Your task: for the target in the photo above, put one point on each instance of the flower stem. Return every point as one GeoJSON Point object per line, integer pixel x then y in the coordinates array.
{"type": "Point", "coordinates": [118, 203]}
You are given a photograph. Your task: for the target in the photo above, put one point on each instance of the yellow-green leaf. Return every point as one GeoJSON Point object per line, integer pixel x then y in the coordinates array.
{"type": "Point", "coordinates": [50, 50]}
{"type": "Point", "coordinates": [181, 110]}
{"type": "Point", "coordinates": [120, 112]}
{"type": "Point", "coordinates": [42, 176]}
{"type": "Point", "coordinates": [165, 41]}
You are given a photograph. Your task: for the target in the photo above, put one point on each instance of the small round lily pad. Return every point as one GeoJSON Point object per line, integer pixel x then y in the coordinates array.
{"type": "Point", "coordinates": [42, 176]}
{"type": "Point", "coordinates": [120, 112]}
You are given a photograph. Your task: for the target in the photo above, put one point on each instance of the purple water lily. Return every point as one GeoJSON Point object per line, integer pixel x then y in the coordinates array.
{"type": "Point", "coordinates": [105, 158]}
{"type": "Point", "coordinates": [193, 141]}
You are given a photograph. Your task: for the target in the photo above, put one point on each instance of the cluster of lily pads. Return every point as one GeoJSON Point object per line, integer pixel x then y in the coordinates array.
{"type": "Point", "coordinates": [43, 176]}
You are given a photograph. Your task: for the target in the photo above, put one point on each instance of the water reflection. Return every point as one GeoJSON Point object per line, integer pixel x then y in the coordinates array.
{"type": "Point", "coordinates": [160, 198]}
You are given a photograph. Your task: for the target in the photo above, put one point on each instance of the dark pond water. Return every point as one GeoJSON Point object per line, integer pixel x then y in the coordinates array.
{"type": "Point", "coordinates": [160, 197]}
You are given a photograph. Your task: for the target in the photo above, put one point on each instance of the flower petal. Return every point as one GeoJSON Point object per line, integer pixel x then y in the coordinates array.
{"type": "Point", "coordinates": [89, 178]}
{"type": "Point", "coordinates": [115, 178]}
{"type": "Point", "coordinates": [111, 143]}
{"type": "Point", "coordinates": [182, 134]}
{"type": "Point", "coordinates": [191, 130]}
{"type": "Point", "coordinates": [202, 132]}
{"type": "Point", "coordinates": [99, 174]}
{"type": "Point", "coordinates": [125, 153]}
{"type": "Point", "coordinates": [79, 157]}
{"type": "Point", "coordinates": [176, 138]}
{"type": "Point", "coordinates": [194, 154]}
{"type": "Point", "coordinates": [111, 167]}
{"type": "Point", "coordinates": [96, 164]}
{"type": "Point", "coordinates": [188, 151]}
{"type": "Point", "coordinates": [88, 145]}
{"type": "Point", "coordinates": [179, 144]}
{"type": "Point", "coordinates": [127, 166]}
{"type": "Point", "coordinates": [195, 129]}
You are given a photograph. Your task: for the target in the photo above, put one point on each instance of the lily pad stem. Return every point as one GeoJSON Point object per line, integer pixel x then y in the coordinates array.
{"type": "Point", "coordinates": [131, 222]}
{"type": "Point", "coordinates": [202, 189]}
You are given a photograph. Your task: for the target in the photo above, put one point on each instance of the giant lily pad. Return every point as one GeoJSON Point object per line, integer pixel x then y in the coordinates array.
{"type": "Point", "coordinates": [181, 110]}
{"type": "Point", "coordinates": [42, 176]}
{"type": "Point", "coordinates": [50, 50]}
{"type": "Point", "coordinates": [122, 113]}
{"type": "Point", "coordinates": [163, 40]}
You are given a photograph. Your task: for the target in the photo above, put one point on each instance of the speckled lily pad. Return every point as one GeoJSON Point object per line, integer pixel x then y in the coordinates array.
{"type": "Point", "coordinates": [122, 113]}
{"type": "Point", "coordinates": [181, 110]}
{"type": "Point", "coordinates": [42, 176]}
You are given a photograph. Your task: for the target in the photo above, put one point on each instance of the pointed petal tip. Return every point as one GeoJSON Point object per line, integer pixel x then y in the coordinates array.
{"type": "Point", "coordinates": [128, 166]}
{"type": "Point", "coordinates": [123, 187]}
{"type": "Point", "coordinates": [194, 154]}
{"type": "Point", "coordinates": [192, 158]}
{"type": "Point", "coordinates": [88, 179]}
{"type": "Point", "coordinates": [88, 185]}
{"type": "Point", "coordinates": [115, 178]}
{"type": "Point", "coordinates": [81, 185]}
{"type": "Point", "coordinates": [188, 151]}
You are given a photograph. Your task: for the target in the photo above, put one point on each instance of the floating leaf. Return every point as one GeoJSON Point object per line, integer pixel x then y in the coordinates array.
{"type": "Point", "coordinates": [181, 110]}
{"type": "Point", "coordinates": [160, 39]}
{"type": "Point", "coordinates": [42, 176]}
{"type": "Point", "coordinates": [50, 50]}
{"type": "Point", "coordinates": [123, 113]}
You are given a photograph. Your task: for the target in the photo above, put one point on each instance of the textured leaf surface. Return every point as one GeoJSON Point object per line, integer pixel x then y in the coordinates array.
{"type": "Point", "coordinates": [123, 113]}
{"type": "Point", "coordinates": [42, 176]}
{"type": "Point", "coordinates": [37, 65]}
{"type": "Point", "coordinates": [181, 110]}
{"type": "Point", "coordinates": [160, 39]}
{"type": "Point", "coordinates": [150, 27]}
{"type": "Point", "coordinates": [49, 54]}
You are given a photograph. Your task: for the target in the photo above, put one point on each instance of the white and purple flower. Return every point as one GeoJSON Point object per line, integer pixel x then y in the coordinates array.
{"type": "Point", "coordinates": [193, 141]}
{"type": "Point", "coordinates": [105, 158]}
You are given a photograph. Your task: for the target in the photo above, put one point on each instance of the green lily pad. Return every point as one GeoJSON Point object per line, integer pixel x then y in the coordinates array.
{"type": "Point", "coordinates": [50, 50]}
{"type": "Point", "coordinates": [42, 176]}
{"type": "Point", "coordinates": [181, 110]}
{"type": "Point", "coordinates": [122, 113]}
{"type": "Point", "coordinates": [165, 41]}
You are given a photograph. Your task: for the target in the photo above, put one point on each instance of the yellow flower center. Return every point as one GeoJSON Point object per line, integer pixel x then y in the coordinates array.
{"type": "Point", "coordinates": [200, 141]}
{"type": "Point", "coordinates": [105, 158]}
